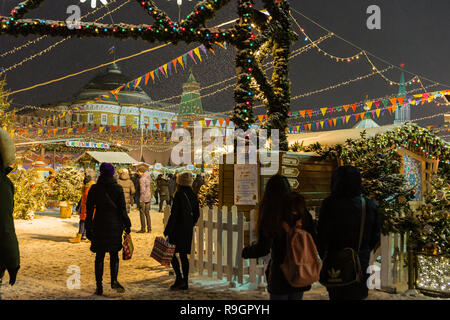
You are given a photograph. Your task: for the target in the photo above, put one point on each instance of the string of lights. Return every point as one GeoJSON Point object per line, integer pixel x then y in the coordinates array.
{"type": "Point", "coordinates": [14, 50]}
{"type": "Point", "coordinates": [48, 49]}
{"type": "Point", "coordinates": [367, 52]}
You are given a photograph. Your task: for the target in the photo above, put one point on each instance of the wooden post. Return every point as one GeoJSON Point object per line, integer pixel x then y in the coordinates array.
{"type": "Point", "coordinates": [209, 265]}
{"type": "Point", "coordinates": [200, 242]}
{"type": "Point", "coordinates": [220, 248]}
{"type": "Point", "coordinates": [240, 246]}
{"type": "Point", "coordinates": [230, 246]}
{"type": "Point", "coordinates": [252, 270]}
{"type": "Point", "coordinates": [386, 256]}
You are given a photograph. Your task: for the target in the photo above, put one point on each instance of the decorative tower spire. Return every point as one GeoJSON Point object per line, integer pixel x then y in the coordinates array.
{"type": "Point", "coordinates": [403, 113]}
{"type": "Point", "coordinates": [191, 102]}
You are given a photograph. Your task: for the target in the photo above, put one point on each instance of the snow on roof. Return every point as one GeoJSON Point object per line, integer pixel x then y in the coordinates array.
{"type": "Point", "coordinates": [334, 137]}
{"type": "Point", "coordinates": [112, 157]}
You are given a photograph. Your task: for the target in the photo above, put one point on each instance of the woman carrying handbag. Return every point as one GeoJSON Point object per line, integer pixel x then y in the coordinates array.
{"type": "Point", "coordinates": [184, 214]}
{"type": "Point", "coordinates": [106, 228]}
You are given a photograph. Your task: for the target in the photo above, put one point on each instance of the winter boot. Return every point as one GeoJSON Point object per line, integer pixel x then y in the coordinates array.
{"type": "Point", "coordinates": [114, 267]}
{"type": "Point", "coordinates": [99, 277]}
{"type": "Point", "coordinates": [185, 285]}
{"type": "Point", "coordinates": [77, 239]}
{"type": "Point", "coordinates": [178, 284]}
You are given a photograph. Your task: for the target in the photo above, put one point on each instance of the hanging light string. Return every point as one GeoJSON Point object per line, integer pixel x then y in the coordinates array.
{"type": "Point", "coordinates": [14, 50]}
{"type": "Point", "coordinates": [367, 52]}
{"type": "Point", "coordinates": [352, 58]}
{"type": "Point", "coordinates": [391, 82]}
{"type": "Point", "coordinates": [333, 57]}
{"type": "Point", "coordinates": [48, 49]}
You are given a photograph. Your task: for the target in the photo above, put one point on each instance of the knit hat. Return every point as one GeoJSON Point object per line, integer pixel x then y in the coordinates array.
{"type": "Point", "coordinates": [185, 179]}
{"type": "Point", "coordinates": [107, 169]}
{"type": "Point", "coordinates": [7, 149]}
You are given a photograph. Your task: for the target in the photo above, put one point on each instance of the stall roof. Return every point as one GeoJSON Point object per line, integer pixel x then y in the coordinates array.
{"type": "Point", "coordinates": [334, 137]}
{"type": "Point", "coordinates": [111, 157]}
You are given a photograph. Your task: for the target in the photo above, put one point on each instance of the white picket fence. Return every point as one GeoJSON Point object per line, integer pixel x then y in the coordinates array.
{"type": "Point", "coordinates": [217, 246]}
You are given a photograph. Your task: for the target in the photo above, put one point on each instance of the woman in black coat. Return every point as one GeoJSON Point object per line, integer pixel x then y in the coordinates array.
{"type": "Point", "coordinates": [106, 221]}
{"type": "Point", "coordinates": [279, 205]}
{"type": "Point", "coordinates": [339, 227]}
{"type": "Point", "coordinates": [180, 227]}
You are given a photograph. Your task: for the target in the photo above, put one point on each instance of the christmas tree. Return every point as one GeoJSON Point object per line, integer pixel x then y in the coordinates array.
{"type": "Point", "coordinates": [7, 118]}
{"type": "Point", "coordinates": [209, 192]}
{"type": "Point", "coordinates": [30, 194]}
{"type": "Point", "coordinates": [67, 185]}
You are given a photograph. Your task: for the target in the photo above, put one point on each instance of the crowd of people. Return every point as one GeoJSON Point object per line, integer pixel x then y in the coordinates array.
{"type": "Point", "coordinates": [347, 220]}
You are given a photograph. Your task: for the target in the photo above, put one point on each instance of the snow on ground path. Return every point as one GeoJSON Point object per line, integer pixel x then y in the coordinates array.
{"type": "Point", "coordinates": [46, 254]}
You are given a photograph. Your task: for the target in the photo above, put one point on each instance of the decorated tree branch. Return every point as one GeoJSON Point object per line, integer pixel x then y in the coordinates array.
{"type": "Point", "coordinates": [67, 185]}
{"type": "Point", "coordinates": [247, 39]}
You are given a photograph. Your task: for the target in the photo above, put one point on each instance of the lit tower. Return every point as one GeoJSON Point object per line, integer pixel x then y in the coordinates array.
{"type": "Point", "coordinates": [191, 108]}
{"type": "Point", "coordinates": [402, 114]}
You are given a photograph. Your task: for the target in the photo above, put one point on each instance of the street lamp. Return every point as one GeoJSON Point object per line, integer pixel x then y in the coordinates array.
{"type": "Point", "coordinates": [179, 3]}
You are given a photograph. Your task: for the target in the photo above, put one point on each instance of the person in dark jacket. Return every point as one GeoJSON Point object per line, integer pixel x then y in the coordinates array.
{"type": "Point", "coordinates": [172, 185]}
{"type": "Point", "coordinates": [106, 225]}
{"type": "Point", "coordinates": [163, 189]}
{"type": "Point", "coordinates": [184, 214]}
{"type": "Point", "coordinates": [9, 246]}
{"type": "Point", "coordinates": [135, 178]}
{"type": "Point", "coordinates": [339, 227]}
{"type": "Point", "coordinates": [197, 184]}
{"type": "Point", "coordinates": [277, 206]}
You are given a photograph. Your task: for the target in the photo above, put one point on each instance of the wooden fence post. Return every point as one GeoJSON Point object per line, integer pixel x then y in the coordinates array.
{"type": "Point", "coordinates": [220, 248]}
{"type": "Point", "coordinates": [252, 269]}
{"type": "Point", "coordinates": [230, 246]}
{"type": "Point", "coordinates": [209, 225]}
{"type": "Point", "coordinates": [240, 246]}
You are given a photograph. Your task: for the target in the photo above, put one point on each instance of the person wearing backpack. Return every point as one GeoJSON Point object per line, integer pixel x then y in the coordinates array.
{"type": "Point", "coordinates": [278, 219]}
{"type": "Point", "coordinates": [348, 230]}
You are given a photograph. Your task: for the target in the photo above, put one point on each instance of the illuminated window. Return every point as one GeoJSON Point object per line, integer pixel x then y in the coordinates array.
{"type": "Point", "coordinates": [104, 119]}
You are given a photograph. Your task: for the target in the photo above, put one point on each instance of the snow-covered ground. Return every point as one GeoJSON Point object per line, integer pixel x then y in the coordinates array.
{"type": "Point", "coordinates": [46, 255]}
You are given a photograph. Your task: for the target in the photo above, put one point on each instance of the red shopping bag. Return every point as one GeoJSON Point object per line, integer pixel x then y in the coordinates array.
{"type": "Point", "coordinates": [163, 251]}
{"type": "Point", "coordinates": [128, 247]}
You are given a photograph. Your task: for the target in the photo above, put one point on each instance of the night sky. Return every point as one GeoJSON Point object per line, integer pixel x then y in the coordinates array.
{"type": "Point", "coordinates": [413, 32]}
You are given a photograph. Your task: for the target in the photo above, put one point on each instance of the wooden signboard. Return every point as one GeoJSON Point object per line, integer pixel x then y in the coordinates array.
{"type": "Point", "coordinates": [307, 174]}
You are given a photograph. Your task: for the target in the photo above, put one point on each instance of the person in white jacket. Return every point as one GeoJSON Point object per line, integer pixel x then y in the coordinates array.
{"type": "Point", "coordinates": [145, 200]}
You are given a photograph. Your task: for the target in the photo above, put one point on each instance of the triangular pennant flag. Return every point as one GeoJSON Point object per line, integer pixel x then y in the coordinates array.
{"type": "Point", "coordinates": [147, 76]}
{"type": "Point", "coordinates": [378, 111]}
{"type": "Point", "coordinates": [373, 113]}
{"type": "Point", "coordinates": [302, 113]}
{"type": "Point", "coordinates": [163, 125]}
{"type": "Point", "coordinates": [214, 121]}
{"type": "Point", "coordinates": [185, 123]}
{"type": "Point", "coordinates": [330, 122]}
{"type": "Point", "coordinates": [321, 124]}
{"type": "Point", "coordinates": [393, 101]}
{"type": "Point", "coordinates": [347, 118]}
{"type": "Point", "coordinates": [208, 122]}
{"type": "Point", "coordinates": [309, 112]}
{"type": "Point", "coordinates": [101, 129]}
{"type": "Point", "coordinates": [212, 50]}
{"type": "Point", "coordinates": [334, 121]}
{"type": "Point", "coordinates": [324, 110]}
{"type": "Point", "coordinates": [197, 53]}
{"type": "Point", "coordinates": [180, 61]}
{"type": "Point", "coordinates": [185, 59]}
{"type": "Point", "coordinates": [157, 73]}
{"type": "Point", "coordinates": [362, 115]}
{"type": "Point", "coordinates": [331, 109]}
{"type": "Point", "coordinates": [385, 102]}
{"type": "Point", "coordinates": [261, 117]}
{"type": "Point", "coordinates": [169, 65]}
{"type": "Point", "coordinates": [203, 49]}
{"type": "Point", "coordinates": [162, 70]}
{"type": "Point", "coordinates": [346, 107]}
{"type": "Point", "coordinates": [191, 54]}
{"type": "Point", "coordinates": [390, 110]}
{"type": "Point", "coordinates": [219, 44]}
{"type": "Point", "coordinates": [165, 69]}
{"type": "Point", "coordinates": [394, 108]}
{"type": "Point", "coordinates": [174, 63]}
{"type": "Point", "coordinates": [227, 121]}
{"type": "Point", "coordinates": [354, 107]}
{"type": "Point", "coordinates": [400, 100]}
{"type": "Point", "coordinates": [157, 126]}
{"type": "Point", "coordinates": [138, 81]}
{"type": "Point", "coordinates": [152, 74]}
{"type": "Point", "coordinates": [356, 116]}
{"type": "Point", "coordinates": [369, 104]}
{"type": "Point", "coordinates": [221, 121]}
{"type": "Point", "coordinates": [179, 124]}
{"type": "Point", "coordinates": [377, 103]}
